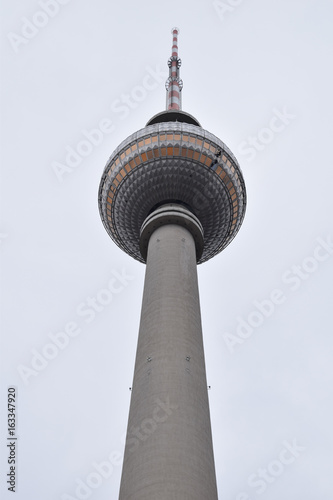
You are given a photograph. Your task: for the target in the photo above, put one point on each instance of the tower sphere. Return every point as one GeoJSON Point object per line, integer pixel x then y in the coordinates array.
{"type": "Point", "coordinates": [172, 160]}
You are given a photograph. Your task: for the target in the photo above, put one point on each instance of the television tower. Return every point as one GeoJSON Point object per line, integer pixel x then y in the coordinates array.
{"type": "Point", "coordinates": [172, 196]}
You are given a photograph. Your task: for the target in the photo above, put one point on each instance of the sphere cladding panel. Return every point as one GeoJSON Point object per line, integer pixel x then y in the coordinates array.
{"type": "Point", "coordinates": [172, 161]}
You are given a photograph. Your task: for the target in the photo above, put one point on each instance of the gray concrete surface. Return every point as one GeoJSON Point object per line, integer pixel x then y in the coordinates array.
{"type": "Point", "coordinates": [169, 454]}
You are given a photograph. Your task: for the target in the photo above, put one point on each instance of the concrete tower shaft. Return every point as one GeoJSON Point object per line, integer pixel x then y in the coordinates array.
{"type": "Point", "coordinates": [169, 453]}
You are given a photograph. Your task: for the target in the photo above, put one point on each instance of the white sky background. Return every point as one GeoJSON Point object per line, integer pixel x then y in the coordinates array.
{"type": "Point", "coordinates": [255, 59]}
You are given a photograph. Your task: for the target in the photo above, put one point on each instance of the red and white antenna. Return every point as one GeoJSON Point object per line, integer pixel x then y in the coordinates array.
{"type": "Point", "coordinates": [174, 84]}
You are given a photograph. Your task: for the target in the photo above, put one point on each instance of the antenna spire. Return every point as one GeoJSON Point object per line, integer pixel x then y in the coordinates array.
{"type": "Point", "coordinates": [174, 84]}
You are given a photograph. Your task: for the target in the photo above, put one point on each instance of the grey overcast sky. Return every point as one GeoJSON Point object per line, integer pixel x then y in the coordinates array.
{"type": "Point", "coordinates": [78, 78]}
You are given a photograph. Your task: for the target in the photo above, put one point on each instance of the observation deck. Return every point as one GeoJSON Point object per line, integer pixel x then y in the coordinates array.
{"type": "Point", "coordinates": [172, 162]}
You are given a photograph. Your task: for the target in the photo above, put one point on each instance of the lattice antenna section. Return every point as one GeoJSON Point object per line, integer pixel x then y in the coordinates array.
{"type": "Point", "coordinates": [174, 84]}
